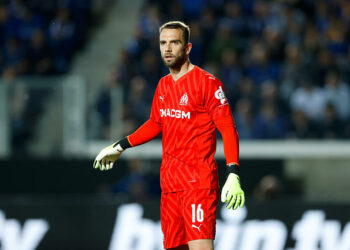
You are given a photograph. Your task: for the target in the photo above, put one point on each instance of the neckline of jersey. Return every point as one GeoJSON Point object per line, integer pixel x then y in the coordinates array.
{"type": "Point", "coordinates": [182, 77]}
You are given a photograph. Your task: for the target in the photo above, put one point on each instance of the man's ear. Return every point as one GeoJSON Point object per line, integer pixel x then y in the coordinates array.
{"type": "Point", "coordinates": [188, 48]}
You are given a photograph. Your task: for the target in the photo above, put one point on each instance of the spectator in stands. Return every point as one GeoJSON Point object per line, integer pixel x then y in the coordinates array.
{"type": "Point", "coordinates": [224, 39]}
{"type": "Point", "coordinates": [301, 127]}
{"type": "Point", "coordinates": [274, 44]}
{"type": "Point", "coordinates": [335, 36]}
{"type": "Point", "coordinates": [295, 25]}
{"type": "Point", "coordinates": [13, 53]}
{"type": "Point", "coordinates": [309, 99]}
{"type": "Point", "coordinates": [338, 94]}
{"type": "Point", "coordinates": [260, 67]}
{"type": "Point", "coordinates": [125, 70]}
{"type": "Point", "coordinates": [322, 15]}
{"type": "Point", "coordinates": [320, 66]}
{"type": "Point", "coordinates": [269, 124]}
{"type": "Point", "coordinates": [19, 110]}
{"type": "Point", "coordinates": [233, 17]}
{"type": "Point", "coordinates": [62, 39]}
{"type": "Point", "coordinates": [83, 19]}
{"type": "Point", "coordinates": [197, 50]}
{"type": "Point", "coordinates": [269, 94]}
{"type": "Point", "coordinates": [8, 75]}
{"type": "Point", "coordinates": [292, 70]}
{"type": "Point", "coordinates": [40, 54]}
{"type": "Point", "coordinates": [137, 45]}
{"type": "Point", "coordinates": [247, 90]}
{"type": "Point", "coordinates": [260, 16]}
{"type": "Point", "coordinates": [150, 70]}
{"type": "Point", "coordinates": [149, 20]}
{"type": "Point", "coordinates": [244, 119]}
{"type": "Point", "coordinates": [231, 72]}
{"type": "Point", "coordinates": [137, 105]}
{"type": "Point", "coordinates": [28, 24]}
{"type": "Point", "coordinates": [311, 44]}
{"type": "Point", "coordinates": [269, 188]}
{"type": "Point", "coordinates": [4, 24]}
{"type": "Point", "coordinates": [344, 11]}
{"type": "Point", "coordinates": [331, 126]}
{"type": "Point", "coordinates": [103, 107]}
{"type": "Point", "coordinates": [208, 24]}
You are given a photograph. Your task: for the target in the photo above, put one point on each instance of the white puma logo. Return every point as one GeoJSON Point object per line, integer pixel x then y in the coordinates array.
{"type": "Point", "coordinates": [197, 227]}
{"type": "Point", "coordinates": [161, 97]}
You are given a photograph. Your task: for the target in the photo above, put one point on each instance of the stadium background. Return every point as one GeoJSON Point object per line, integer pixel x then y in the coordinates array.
{"type": "Point", "coordinates": [78, 74]}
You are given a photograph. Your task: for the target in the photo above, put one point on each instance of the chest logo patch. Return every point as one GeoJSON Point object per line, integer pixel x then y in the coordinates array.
{"type": "Point", "coordinates": [220, 95]}
{"type": "Point", "coordinates": [184, 99]}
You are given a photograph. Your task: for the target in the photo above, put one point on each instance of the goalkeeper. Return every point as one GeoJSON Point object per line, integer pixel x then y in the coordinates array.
{"type": "Point", "coordinates": [188, 105]}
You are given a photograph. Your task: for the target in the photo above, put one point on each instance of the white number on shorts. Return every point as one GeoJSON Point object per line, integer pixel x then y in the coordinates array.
{"type": "Point", "coordinates": [197, 213]}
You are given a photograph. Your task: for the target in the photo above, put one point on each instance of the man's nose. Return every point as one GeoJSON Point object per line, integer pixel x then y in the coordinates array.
{"type": "Point", "coordinates": [168, 48]}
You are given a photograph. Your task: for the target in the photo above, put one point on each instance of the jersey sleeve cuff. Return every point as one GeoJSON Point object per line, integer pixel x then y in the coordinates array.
{"type": "Point", "coordinates": [232, 168]}
{"type": "Point", "coordinates": [124, 143]}
{"type": "Point", "coordinates": [129, 141]}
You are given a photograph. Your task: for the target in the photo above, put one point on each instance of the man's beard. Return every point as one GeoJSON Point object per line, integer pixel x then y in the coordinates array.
{"type": "Point", "coordinates": [176, 63]}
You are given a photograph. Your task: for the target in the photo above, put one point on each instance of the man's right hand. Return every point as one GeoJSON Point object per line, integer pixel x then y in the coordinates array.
{"type": "Point", "coordinates": [107, 157]}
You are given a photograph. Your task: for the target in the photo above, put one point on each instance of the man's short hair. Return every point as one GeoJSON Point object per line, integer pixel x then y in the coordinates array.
{"type": "Point", "coordinates": [178, 25]}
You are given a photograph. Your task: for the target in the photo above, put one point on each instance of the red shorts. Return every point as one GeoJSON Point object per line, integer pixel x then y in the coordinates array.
{"type": "Point", "coordinates": [188, 215]}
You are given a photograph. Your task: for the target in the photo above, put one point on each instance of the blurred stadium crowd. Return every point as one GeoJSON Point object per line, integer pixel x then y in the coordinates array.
{"type": "Point", "coordinates": [284, 64]}
{"type": "Point", "coordinates": [39, 37]}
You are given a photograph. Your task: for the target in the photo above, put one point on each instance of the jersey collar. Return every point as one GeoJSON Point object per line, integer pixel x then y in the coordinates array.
{"type": "Point", "coordinates": [184, 76]}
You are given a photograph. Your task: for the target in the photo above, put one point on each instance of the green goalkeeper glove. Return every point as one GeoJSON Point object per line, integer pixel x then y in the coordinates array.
{"type": "Point", "coordinates": [232, 193]}
{"type": "Point", "coordinates": [108, 156]}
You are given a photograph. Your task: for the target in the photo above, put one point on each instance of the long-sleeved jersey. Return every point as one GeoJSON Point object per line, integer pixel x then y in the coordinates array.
{"type": "Point", "coordinates": [187, 112]}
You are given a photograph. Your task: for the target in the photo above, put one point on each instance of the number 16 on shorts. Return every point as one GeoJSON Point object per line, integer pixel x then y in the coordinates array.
{"type": "Point", "coordinates": [197, 213]}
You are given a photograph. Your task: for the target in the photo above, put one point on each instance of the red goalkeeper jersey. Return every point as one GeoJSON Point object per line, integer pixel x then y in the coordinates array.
{"type": "Point", "coordinates": [185, 110]}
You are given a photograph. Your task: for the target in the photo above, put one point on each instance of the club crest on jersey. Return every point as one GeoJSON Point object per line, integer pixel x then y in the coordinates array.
{"type": "Point", "coordinates": [184, 99]}
{"type": "Point", "coordinates": [220, 95]}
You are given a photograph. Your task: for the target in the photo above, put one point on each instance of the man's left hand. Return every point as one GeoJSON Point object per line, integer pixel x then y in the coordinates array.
{"type": "Point", "coordinates": [232, 193]}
